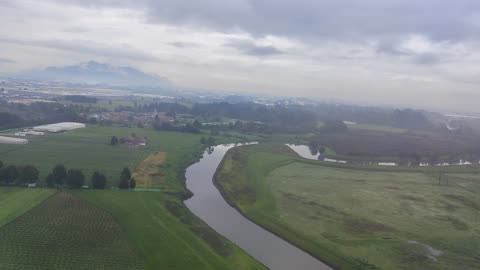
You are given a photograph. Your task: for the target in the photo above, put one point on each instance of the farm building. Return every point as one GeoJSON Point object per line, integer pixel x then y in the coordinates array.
{"type": "Point", "coordinates": [134, 141]}
{"type": "Point", "coordinates": [10, 140]}
{"type": "Point", "coordinates": [59, 127]}
{"type": "Point", "coordinates": [26, 132]}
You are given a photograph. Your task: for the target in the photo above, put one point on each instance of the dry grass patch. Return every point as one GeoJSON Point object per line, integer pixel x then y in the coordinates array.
{"type": "Point", "coordinates": [148, 172]}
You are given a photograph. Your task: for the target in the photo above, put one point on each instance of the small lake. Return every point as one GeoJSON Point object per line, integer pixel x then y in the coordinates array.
{"type": "Point", "coordinates": [208, 204]}
{"type": "Point", "coordinates": [304, 151]}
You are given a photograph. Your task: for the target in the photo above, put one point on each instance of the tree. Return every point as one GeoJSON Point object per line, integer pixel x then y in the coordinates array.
{"type": "Point", "coordinates": [133, 183]}
{"type": "Point", "coordinates": [125, 177]}
{"type": "Point", "coordinates": [28, 174]}
{"type": "Point", "coordinates": [59, 175]}
{"type": "Point", "coordinates": [50, 180]}
{"type": "Point", "coordinates": [75, 178]}
{"type": "Point", "coordinates": [10, 174]}
{"type": "Point", "coordinates": [210, 141]}
{"type": "Point", "coordinates": [98, 180]}
{"type": "Point", "coordinates": [124, 183]}
{"type": "Point", "coordinates": [196, 124]}
{"type": "Point", "coordinates": [313, 147]}
{"type": "Point", "coordinates": [114, 140]}
{"type": "Point", "coordinates": [126, 173]}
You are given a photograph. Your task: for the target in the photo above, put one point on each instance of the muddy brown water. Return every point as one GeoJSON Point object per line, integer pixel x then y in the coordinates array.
{"type": "Point", "coordinates": [208, 204]}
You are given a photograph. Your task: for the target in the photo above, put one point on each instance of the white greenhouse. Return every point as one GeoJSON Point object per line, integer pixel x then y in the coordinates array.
{"type": "Point", "coordinates": [59, 127]}
{"type": "Point", "coordinates": [10, 140]}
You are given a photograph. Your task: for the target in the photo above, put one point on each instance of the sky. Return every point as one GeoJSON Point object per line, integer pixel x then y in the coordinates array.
{"type": "Point", "coordinates": [423, 54]}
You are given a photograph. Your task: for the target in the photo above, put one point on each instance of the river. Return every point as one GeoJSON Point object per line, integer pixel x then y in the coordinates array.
{"type": "Point", "coordinates": [208, 204]}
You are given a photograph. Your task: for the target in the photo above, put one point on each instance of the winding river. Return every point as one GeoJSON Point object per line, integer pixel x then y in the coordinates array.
{"type": "Point", "coordinates": [208, 204]}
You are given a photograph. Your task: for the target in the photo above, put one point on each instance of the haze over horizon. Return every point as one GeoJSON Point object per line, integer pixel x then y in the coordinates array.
{"type": "Point", "coordinates": [422, 54]}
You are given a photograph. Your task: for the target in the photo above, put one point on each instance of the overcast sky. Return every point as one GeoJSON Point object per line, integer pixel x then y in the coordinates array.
{"type": "Point", "coordinates": [409, 52]}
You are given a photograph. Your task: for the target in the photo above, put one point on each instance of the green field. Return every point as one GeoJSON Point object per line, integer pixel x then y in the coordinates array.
{"type": "Point", "coordinates": [161, 232]}
{"type": "Point", "coordinates": [65, 232]}
{"type": "Point", "coordinates": [89, 149]}
{"type": "Point", "coordinates": [16, 201]}
{"type": "Point", "coordinates": [166, 235]}
{"type": "Point", "coordinates": [358, 217]}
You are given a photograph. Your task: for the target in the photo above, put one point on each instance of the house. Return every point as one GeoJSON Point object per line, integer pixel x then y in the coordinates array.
{"type": "Point", "coordinates": [134, 141]}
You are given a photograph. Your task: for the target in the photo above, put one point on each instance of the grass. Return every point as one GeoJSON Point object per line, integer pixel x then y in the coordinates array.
{"type": "Point", "coordinates": [89, 150]}
{"type": "Point", "coordinates": [16, 201]}
{"type": "Point", "coordinates": [166, 235]}
{"type": "Point", "coordinates": [65, 232]}
{"type": "Point", "coordinates": [350, 215]}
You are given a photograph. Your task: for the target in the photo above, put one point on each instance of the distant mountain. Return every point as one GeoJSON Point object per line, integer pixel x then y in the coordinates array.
{"type": "Point", "coordinates": [95, 73]}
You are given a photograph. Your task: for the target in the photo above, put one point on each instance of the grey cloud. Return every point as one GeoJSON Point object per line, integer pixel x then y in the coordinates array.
{"type": "Point", "coordinates": [180, 44]}
{"type": "Point", "coordinates": [428, 58]}
{"type": "Point", "coordinates": [84, 47]}
{"type": "Point", "coordinates": [6, 61]}
{"type": "Point", "coordinates": [313, 19]}
{"type": "Point", "coordinates": [250, 48]}
{"type": "Point", "coordinates": [391, 48]}
{"type": "Point", "coordinates": [76, 29]}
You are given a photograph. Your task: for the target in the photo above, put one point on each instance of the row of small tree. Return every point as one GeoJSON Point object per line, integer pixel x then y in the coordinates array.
{"type": "Point", "coordinates": [60, 177]}
{"type": "Point", "coordinates": [19, 175]}
{"type": "Point", "coordinates": [73, 178]}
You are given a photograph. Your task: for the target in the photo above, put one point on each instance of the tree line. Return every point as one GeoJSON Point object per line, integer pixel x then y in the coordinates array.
{"type": "Point", "coordinates": [60, 177]}
{"type": "Point", "coordinates": [18, 175]}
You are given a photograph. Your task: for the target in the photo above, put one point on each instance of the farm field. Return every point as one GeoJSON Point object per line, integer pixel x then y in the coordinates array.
{"type": "Point", "coordinates": [65, 232]}
{"type": "Point", "coordinates": [89, 149]}
{"type": "Point", "coordinates": [166, 235]}
{"type": "Point", "coordinates": [389, 218]}
{"type": "Point", "coordinates": [16, 201]}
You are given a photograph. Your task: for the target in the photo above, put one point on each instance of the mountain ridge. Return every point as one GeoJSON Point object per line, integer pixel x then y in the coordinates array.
{"type": "Point", "coordinates": [95, 73]}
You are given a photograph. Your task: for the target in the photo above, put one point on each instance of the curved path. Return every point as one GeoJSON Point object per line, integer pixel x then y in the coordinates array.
{"type": "Point", "coordinates": [208, 204]}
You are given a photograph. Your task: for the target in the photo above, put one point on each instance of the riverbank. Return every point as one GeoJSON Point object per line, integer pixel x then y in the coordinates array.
{"type": "Point", "coordinates": [371, 216]}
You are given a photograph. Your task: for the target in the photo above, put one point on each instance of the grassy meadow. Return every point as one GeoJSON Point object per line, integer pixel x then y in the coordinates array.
{"type": "Point", "coordinates": [358, 217]}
